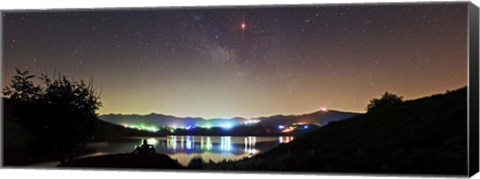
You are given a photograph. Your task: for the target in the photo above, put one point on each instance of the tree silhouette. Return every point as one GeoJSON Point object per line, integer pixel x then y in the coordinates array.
{"type": "Point", "coordinates": [57, 116]}
{"type": "Point", "coordinates": [385, 100]}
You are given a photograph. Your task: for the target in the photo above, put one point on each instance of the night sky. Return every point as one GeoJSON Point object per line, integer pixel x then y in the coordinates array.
{"type": "Point", "coordinates": [245, 61]}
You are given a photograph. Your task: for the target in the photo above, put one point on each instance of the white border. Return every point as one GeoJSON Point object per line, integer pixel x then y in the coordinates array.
{"type": "Point", "coordinates": [89, 4]}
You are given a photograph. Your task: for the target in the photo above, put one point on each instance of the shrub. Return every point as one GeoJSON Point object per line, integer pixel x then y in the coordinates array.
{"type": "Point", "coordinates": [385, 100]}
{"type": "Point", "coordinates": [58, 116]}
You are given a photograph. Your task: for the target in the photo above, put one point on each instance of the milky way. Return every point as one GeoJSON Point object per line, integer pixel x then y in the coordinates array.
{"type": "Point", "coordinates": [245, 61]}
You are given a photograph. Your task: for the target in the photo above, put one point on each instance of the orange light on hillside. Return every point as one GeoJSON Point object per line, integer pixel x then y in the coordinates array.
{"type": "Point", "coordinates": [288, 129]}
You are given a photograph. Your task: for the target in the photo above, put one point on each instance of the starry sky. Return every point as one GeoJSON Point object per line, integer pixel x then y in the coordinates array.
{"type": "Point", "coordinates": [245, 61]}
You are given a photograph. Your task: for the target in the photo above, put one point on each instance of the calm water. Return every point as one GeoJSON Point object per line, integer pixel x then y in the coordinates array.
{"type": "Point", "coordinates": [184, 148]}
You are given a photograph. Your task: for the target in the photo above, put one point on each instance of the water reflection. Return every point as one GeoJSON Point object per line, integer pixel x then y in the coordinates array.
{"type": "Point", "coordinates": [250, 145]}
{"type": "Point", "coordinates": [285, 139]}
{"type": "Point", "coordinates": [152, 141]}
{"type": "Point", "coordinates": [223, 144]}
{"type": "Point", "coordinates": [215, 148]}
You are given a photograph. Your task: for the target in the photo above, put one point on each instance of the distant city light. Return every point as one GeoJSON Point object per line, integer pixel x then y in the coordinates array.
{"type": "Point", "coordinates": [152, 129]}
{"type": "Point", "coordinates": [281, 127]}
{"type": "Point", "coordinates": [142, 127]}
{"type": "Point", "coordinates": [288, 129]}
{"type": "Point", "coordinates": [324, 109]}
{"type": "Point", "coordinates": [227, 126]}
{"type": "Point", "coordinates": [252, 121]}
{"type": "Point", "coordinates": [305, 127]}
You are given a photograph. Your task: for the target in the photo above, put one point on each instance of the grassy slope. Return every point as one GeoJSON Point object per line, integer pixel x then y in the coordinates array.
{"type": "Point", "coordinates": [424, 136]}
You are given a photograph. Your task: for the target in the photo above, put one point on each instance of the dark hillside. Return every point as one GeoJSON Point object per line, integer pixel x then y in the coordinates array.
{"type": "Point", "coordinates": [15, 138]}
{"type": "Point", "coordinates": [108, 131]}
{"type": "Point", "coordinates": [424, 136]}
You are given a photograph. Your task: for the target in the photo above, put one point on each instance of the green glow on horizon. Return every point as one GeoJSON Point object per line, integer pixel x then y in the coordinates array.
{"type": "Point", "coordinates": [143, 127]}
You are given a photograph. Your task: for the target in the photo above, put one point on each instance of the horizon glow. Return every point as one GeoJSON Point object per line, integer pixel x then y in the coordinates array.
{"type": "Point", "coordinates": [248, 62]}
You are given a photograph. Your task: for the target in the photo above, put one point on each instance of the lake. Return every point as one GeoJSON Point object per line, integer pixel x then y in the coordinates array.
{"type": "Point", "coordinates": [184, 148]}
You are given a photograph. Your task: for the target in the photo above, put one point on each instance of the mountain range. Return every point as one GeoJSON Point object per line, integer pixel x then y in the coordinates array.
{"type": "Point", "coordinates": [321, 117]}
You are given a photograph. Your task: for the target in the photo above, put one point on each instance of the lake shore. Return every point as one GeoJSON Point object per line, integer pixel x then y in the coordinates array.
{"type": "Point", "coordinates": [144, 161]}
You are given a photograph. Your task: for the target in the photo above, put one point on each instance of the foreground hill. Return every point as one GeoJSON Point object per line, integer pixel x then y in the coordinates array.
{"type": "Point", "coordinates": [424, 136]}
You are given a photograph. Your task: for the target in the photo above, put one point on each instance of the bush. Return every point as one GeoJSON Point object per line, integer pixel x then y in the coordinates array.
{"type": "Point", "coordinates": [196, 163]}
{"type": "Point", "coordinates": [385, 100]}
{"type": "Point", "coordinates": [58, 117]}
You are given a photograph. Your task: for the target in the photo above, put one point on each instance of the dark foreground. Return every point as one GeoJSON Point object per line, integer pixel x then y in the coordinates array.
{"type": "Point", "coordinates": [144, 161]}
{"type": "Point", "coordinates": [423, 136]}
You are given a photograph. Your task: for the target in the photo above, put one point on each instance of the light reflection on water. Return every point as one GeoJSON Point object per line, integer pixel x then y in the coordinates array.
{"type": "Point", "coordinates": [215, 148]}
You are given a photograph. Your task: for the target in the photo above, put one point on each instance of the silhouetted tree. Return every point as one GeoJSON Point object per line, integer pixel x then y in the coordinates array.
{"type": "Point", "coordinates": [57, 116]}
{"type": "Point", "coordinates": [196, 163]}
{"type": "Point", "coordinates": [385, 100]}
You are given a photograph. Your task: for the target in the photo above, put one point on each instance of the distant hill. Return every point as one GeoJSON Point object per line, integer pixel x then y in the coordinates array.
{"type": "Point", "coordinates": [108, 131]}
{"type": "Point", "coordinates": [164, 120]}
{"type": "Point", "coordinates": [320, 117]}
{"type": "Point", "coordinates": [424, 136]}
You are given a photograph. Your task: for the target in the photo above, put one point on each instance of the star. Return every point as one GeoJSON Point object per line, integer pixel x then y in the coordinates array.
{"type": "Point", "coordinates": [209, 53]}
